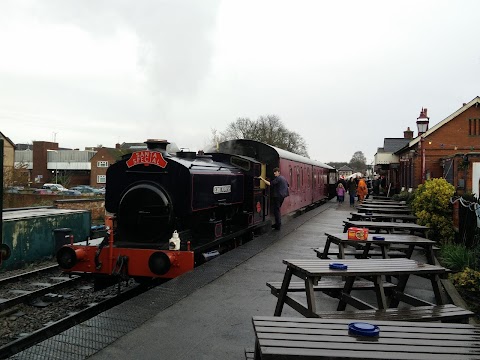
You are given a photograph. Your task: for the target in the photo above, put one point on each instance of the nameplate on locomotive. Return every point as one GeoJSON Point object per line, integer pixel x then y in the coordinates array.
{"type": "Point", "coordinates": [146, 158]}
{"type": "Point", "coordinates": [223, 189]}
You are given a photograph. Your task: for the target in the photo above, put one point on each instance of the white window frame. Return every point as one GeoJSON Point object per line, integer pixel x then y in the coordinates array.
{"type": "Point", "coordinates": [101, 179]}
{"type": "Point", "coordinates": [102, 164]}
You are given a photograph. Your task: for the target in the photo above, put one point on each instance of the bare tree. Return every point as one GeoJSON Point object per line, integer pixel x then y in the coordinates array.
{"type": "Point", "coordinates": [268, 129]}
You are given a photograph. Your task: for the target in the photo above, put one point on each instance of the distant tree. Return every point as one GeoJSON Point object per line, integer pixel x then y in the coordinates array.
{"type": "Point", "coordinates": [267, 129]}
{"type": "Point", "coordinates": [17, 176]}
{"type": "Point", "coordinates": [358, 162]}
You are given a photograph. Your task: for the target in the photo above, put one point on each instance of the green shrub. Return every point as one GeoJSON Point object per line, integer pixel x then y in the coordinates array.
{"type": "Point", "coordinates": [457, 257]}
{"type": "Point", "coordinates": [404, 196]}
{"type": "Point", "coordinates": [432, 206]}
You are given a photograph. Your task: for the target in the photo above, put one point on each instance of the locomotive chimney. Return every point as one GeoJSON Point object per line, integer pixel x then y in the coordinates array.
{"type": "Point", "coordinates": [157, 145]}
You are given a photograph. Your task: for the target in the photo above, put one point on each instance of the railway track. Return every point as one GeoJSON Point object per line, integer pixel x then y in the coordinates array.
{"type": "Point", "coordinates": [39, 304]}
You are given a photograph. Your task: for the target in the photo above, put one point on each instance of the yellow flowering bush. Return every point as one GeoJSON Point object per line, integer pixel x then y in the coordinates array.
{"type": "Point", "coordinates": [468, 280]}
{"type": "Point", "coordinates": [431, 205]}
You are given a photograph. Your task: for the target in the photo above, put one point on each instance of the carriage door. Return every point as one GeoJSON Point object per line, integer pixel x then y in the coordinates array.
{"type": "Point", "coordinates": [260, 199]}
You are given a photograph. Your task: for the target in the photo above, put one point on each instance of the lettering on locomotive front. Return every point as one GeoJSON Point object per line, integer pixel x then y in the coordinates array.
{"type": "Point", "coordinates": [146, 158]}
{"type": "Point", "coordinates": [222, 189]}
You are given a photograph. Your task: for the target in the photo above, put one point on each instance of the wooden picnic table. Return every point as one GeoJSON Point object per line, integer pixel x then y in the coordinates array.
{"type": "Point", "coordinates": [312, 271]}
{"type": "Point", "coordinates": [412, 241]}
{"type": "Point", "coordinates": [384, 206]}
{"type": "Point", "coordinates": [387, 226]}
{"type": "Point", "coordinates": [386, 202]}
{"type": "Point", "coordinates": [382, 197]}
{"type": "Point", "coordinates": [384, 210]}
{"type": "Point", "coordinates": [302, 338]}
{"type": "Point", "coordinates": [383, 217]}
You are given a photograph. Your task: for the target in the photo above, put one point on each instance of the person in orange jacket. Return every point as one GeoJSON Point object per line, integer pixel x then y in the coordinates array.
{"type": "Point", "coordinates": [362, 189]}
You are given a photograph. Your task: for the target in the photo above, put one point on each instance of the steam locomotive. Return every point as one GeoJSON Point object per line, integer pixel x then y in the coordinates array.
{"type": "Point", "coordinates": [173, 211]}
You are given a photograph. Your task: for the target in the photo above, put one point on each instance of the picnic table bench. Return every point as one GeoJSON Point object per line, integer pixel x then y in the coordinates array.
{"type": "Point", "coordinates": [390, 210]}
{"type": "Point", "coordinates": [303, 338]}
{"type": "Point", "coordinates": [411, 241]}
{"type": "Point", "coordinates": [358, 253]}
{"type": "Point", "coordinates": [382, 217]}
{"type": "Point", "coordinates": [386, 206]}
{"type": "Point", "coordinates": [384, 201]}
{"type": "Point", "coordinates": [387, 226]}
{"type": "Point", "coordinates": [313, 271]}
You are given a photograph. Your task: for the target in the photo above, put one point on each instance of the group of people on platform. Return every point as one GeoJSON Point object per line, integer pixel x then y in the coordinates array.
{"type": "Point", "coordinates": [356, 186]}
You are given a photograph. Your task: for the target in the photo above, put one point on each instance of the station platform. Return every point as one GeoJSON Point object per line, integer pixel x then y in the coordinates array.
{"type": "Point", "coordinates": [207, 313]}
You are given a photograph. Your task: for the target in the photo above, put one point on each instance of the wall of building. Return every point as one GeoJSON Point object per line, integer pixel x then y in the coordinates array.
{"type": "Point", "coordinates": [103, 154]}
{"type": "Point", "coordinates": [95, 206]}
{"type": "Point", "coordinates": [8, 161]}
{"type": "Point", "coordinates": [451, 138]}
{"type": "Point", "coordinates": [40, 171]}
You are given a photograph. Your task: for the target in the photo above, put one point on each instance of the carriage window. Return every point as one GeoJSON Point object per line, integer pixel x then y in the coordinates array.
{"type": "Point", "coordinates": [298, 178]}
{"type": "Point", "coordinates": [291, 177]}
{"type": "Point", "coordinates": [302, 177]}
{"type": "Point", "coordinates": [241, 163]}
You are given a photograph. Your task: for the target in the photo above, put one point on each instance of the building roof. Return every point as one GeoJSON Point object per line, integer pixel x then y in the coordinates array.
{"type": "Point", "coordinates": [394, 144]}
{"type": "Point", "coordinates": [24, 147]}
{"type": "Point", "coordinates": [7, 139]}
{"type": "Point", "coordinates": [345, 168]}
{"type": "Point", "coordinates": [117, 153]}
{"type": "Point", "coordinates": [446, 120]}
{"type": "Point", "coordinates": [136, 146]}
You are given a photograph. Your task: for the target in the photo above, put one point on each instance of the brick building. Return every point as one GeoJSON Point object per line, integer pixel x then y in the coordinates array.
{"type": "Point", "coordinates": [8, 159]}
{"type": "Point", "coordinates": [345, 171]}
{"type": "Point", "coordinates": [450, 149]}
{"type": "Point", "coordinates": [101, 161]}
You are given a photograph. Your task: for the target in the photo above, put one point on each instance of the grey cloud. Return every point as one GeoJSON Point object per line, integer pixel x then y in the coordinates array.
{"type": "Point", "coordinates": [176, 45]}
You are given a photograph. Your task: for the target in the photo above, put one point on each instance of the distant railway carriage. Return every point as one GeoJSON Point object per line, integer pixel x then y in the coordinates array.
{"type": "Point", "coordinates": [172, 211]}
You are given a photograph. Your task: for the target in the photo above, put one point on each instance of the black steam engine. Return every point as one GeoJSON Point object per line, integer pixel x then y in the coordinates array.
{"type": "Point", "coordinates": [170, 212]}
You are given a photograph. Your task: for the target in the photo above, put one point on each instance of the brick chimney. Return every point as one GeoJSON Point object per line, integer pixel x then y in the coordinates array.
{"type": "Point", "coordinates": [408, 134]}
{"type": "Point", "coordinates": [117, 146]}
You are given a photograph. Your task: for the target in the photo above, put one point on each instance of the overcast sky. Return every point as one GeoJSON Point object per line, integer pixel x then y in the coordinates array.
{"type": "Point", "coordinates": [343, 74]}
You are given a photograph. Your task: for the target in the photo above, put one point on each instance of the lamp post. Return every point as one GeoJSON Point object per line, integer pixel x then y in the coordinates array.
{"type": "Point", "coordinates": [422, 126]}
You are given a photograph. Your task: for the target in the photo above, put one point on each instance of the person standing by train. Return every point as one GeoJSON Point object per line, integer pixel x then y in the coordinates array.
{"type": "Point", "coordinates": [352, 190]}
{"type": "Point", "coordinates": [279, 193]}
{"type": "Point", "coordinates": [362, 190]}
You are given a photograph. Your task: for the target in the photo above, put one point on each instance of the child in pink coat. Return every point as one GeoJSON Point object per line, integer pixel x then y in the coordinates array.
{"type": "Point", "coordinates": [340, 193]}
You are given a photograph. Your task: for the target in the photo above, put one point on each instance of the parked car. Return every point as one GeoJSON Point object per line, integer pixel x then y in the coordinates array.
{"type": "Point", "coordinates": [54, 187]}
{"type": "Point", "coordinates": [43, 192]}
{"type": "Point", "coordinates": [13, 189]}
{"type": "Point", "coordinates": [71, 193]}
{"type": "Point", "coordinates": [85, 189]}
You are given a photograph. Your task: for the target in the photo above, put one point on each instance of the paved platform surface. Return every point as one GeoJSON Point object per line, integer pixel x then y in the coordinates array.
{"type": "Point", "coordinates": [207, 313]}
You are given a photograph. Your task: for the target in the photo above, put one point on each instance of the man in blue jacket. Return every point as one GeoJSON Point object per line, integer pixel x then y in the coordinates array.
{"type": "Point", "coordinates": [279, 193]}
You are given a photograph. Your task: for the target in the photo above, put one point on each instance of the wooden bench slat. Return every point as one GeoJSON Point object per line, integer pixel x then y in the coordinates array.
{"type": "Point", "coordinates": [447, 312]}
{"type": "Point", "coordinates": [288, 353]}
{"type": "Point", "coordinates": [390, 253]}
{"type": "Point", "coordinates": [299, 338]}
{"type": "Point", "coordinates": [414, 351]}
{"type": "Point", "coordinates": [299, 286]}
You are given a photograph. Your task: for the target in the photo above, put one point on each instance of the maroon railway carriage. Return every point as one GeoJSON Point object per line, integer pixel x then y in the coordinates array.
{"type": "Point", "coordinates": [310, 181]}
